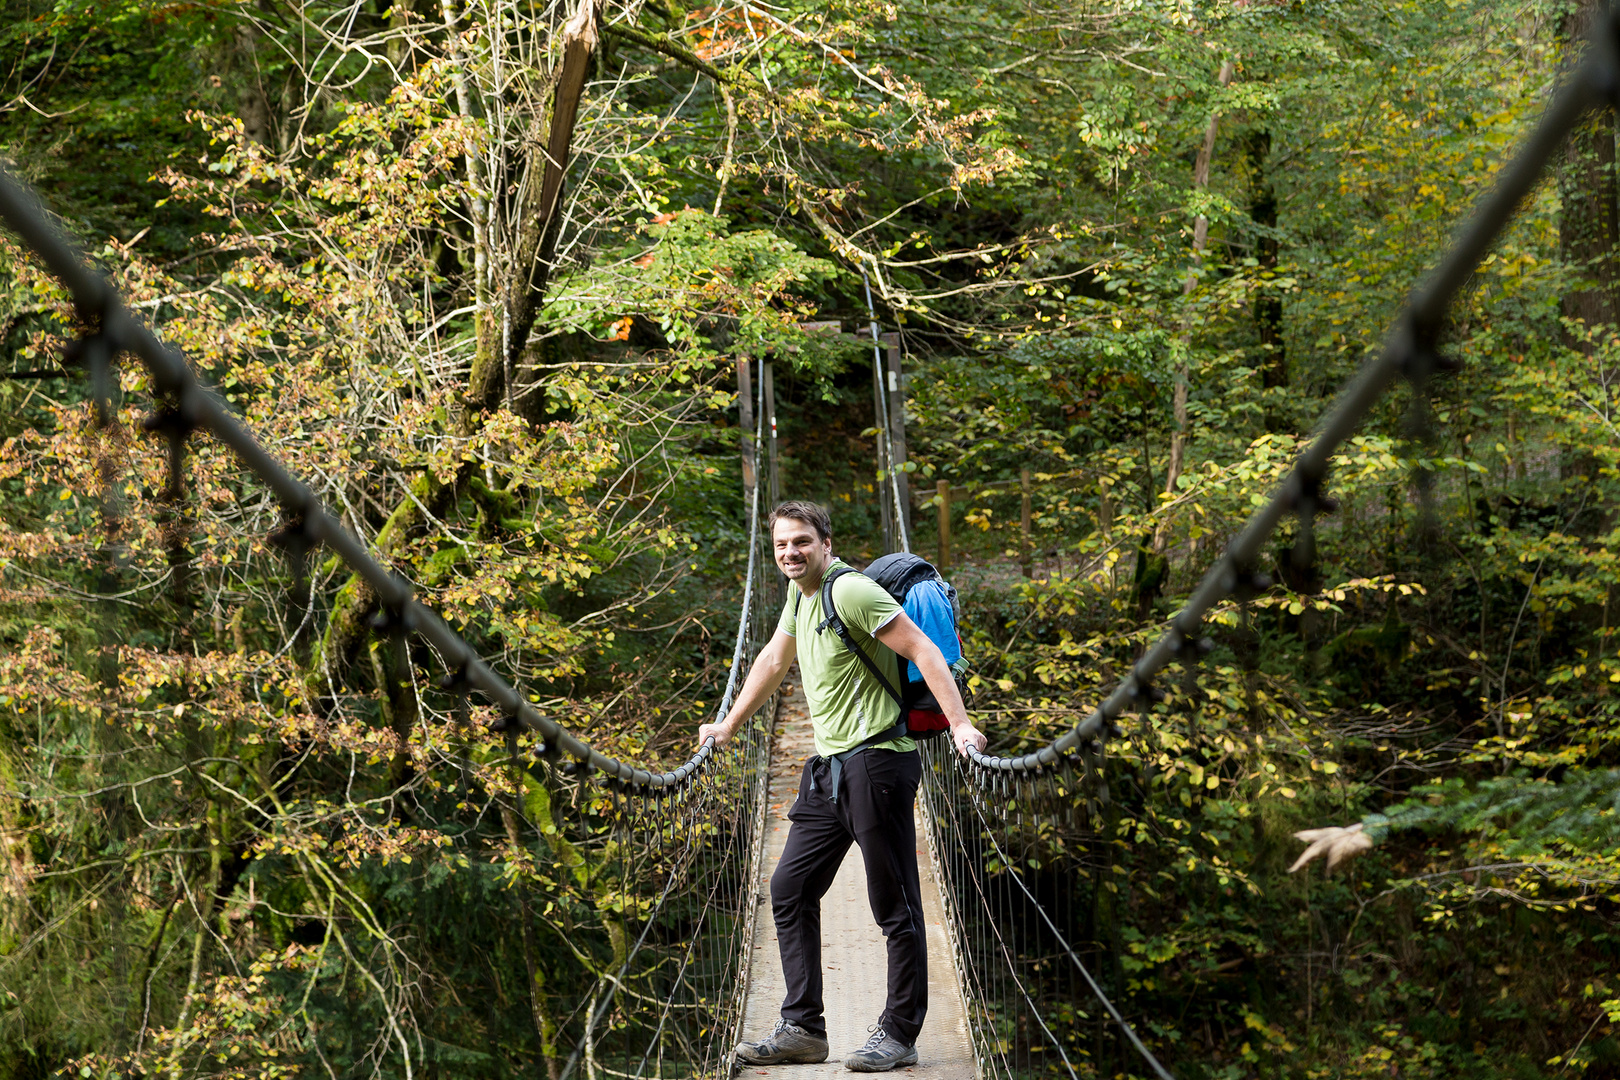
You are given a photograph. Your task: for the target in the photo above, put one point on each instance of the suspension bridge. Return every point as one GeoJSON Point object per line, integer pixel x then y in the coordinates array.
{"type": "Point", "coordinates": [1016, 917]}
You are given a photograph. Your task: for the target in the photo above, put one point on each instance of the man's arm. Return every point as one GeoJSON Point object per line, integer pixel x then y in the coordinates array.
{"type": "Point", "coordinates": [763, 678]}
{"type": "Point", "coordinates": [903, 636]}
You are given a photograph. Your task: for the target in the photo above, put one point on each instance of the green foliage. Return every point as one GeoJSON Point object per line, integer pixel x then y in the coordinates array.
{"type": "Point", "coordinates": [216, 827]}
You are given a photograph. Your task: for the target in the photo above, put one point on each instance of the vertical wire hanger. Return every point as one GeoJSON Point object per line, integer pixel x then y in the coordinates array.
{"type": "Point", "coordinates": [883, 421]}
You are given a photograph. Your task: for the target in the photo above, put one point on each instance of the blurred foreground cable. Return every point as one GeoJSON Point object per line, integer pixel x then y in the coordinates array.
{"type": "Point", "coordinates": [992, 865]}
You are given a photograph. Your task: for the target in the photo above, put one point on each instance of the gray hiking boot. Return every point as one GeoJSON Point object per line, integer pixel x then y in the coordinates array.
{"type": "Point", "coordinates": [881, 1053]}
{"type": "Point", "coordinates": [787, 1044]}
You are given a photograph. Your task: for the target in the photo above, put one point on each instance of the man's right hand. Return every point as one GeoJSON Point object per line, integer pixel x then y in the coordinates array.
{"type": "Point", "coordinates": [965, 735]}
{"type": "Point", "coordinates": [719, 732]}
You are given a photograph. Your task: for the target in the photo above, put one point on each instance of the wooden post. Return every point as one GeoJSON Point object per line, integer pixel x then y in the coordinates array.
{"type": "Point", "coordinates": [774, 481]}
{"type": "Point", "coordinates": [745, 417]}
{"type": "Point", "coordinates": [944, 489]}
{"type": "Point", "coordinates": [1024, 525]}
{"type": "Point", "coordinates": [897, 426]}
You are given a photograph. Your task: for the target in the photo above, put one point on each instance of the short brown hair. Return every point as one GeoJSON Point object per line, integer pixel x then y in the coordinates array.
{"type": "Point", "coordinates": [807, 512]}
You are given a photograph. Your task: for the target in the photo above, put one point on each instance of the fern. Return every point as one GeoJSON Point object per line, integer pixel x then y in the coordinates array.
{"type": "Point", "coordinates": [1521, 815]}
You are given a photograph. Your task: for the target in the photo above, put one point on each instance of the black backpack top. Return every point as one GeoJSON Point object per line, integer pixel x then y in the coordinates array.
{"type": "Point", "coordinates": [897, 573]}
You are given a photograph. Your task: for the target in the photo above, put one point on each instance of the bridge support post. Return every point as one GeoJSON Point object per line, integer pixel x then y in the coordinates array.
{"type": "Point", "coordinates": [745, 418]}
{"type": "Point", "coordinates": [897, 427]}
{"type": "Point", "coordinates": [885, 471]}
{"type": "Point", "coordinates": [773, 486]}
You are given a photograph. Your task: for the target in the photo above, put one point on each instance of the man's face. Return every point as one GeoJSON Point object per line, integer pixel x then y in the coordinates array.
{"type": "Point", "coordinates": [799, 552]}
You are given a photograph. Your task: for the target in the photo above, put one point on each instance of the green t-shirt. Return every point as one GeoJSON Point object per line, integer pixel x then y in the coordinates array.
{"type": "Point", "coordinates": [847, 706]}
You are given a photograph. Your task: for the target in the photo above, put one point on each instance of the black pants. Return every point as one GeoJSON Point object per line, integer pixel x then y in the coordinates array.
{"type": "Point", "coordinates": [874, 810]}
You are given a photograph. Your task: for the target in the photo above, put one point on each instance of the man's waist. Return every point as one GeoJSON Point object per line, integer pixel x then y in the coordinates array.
{"type": "Point", "coordinates": [892, 746]}
{"type": "Point", "coordinates": [892, 737]}
{"type": "Point", "coordinates": [834, 762]}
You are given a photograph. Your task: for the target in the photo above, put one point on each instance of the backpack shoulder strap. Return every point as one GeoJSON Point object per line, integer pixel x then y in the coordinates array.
{"type": "Point", "coordinates": [830, 619]}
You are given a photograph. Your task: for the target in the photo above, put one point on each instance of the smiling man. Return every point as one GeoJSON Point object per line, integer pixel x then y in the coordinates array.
{"type": "Point", "coordinates": [867, 801]}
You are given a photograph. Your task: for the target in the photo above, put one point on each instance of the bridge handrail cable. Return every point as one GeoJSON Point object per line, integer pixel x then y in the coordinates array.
{"type": "Point", "coordinates": [1411, 352]}
{"type": "Point", "coordinates": [99, 305]}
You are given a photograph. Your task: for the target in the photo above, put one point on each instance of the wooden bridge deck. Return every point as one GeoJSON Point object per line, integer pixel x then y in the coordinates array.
{"type": "Point", "coordinates": [853, 956]}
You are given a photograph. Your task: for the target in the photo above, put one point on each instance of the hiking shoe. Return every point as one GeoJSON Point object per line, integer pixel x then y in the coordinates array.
{"type": "Point", "coordinates": [787, 1044]}
{"type": "Point", "coordinates": [881, 1053]}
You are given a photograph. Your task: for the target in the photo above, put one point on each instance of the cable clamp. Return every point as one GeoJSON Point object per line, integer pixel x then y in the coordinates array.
{"type": "Point", "coordinates": [1424, 362]}
{"type": "Point", "coordinates": [387, 619]}
{"type": "Point", "coordinates": [177, 422]}
{"type": "Point", "coordinates": [1143, 690]}
{"type": "Point", "coordinates": [1247, 583]}
{"type": "Point", "coordinates": [456, 682]}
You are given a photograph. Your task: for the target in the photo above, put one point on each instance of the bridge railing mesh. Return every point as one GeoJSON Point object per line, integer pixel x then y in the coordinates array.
{"type": "Point", "coordinates": [651, 874]}
{"type": "Point", "coordinates": [690, 857]}
{"type": "Point", "coordinates": [661, 998]}
{"type": "Point", "coordinates": [1023, 876]}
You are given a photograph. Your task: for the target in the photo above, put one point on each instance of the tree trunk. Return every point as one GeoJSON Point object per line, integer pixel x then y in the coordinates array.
{"type": "Point", "coordinates": [545, 1025]}
{"type": "Point", "coordinates": [1588, 226]}
{"type": "Point", "coordinates": [253, 106]}
{"type": "Point", "coordinates": [1268, 322]}
{"type": "Point", "coordinates": [1178, 438]}
{"type": "Point", "coordinates": [541, 198]}
{"type": "Point", "coordinates": [503, 331]}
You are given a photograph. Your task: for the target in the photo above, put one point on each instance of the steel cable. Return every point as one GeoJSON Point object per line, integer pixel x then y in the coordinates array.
{"type": "Point", "coordinates": [737, 813]}
{"type": "Point", "coordinates": [196, 407]}
{"type": "Point", "coordinates": [882, 420]}
{"type": "Point", "coordinates": [728, 839]}
{"type": "Point", "coordinates": [1411, 351]}
{"type": "Point", "coordinates": [1091, 983]}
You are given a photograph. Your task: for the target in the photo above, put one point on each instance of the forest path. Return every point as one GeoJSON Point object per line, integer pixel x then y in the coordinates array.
{"type": "Point", "coordinates": [852, 951]}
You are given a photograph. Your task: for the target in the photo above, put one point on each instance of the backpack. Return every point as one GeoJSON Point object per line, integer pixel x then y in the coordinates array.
{"type": "Point", "coordinates": [930, 602]}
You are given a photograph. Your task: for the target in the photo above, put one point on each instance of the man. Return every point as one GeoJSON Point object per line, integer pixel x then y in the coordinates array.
{"type": "Point", "coordinates": [855, 790]}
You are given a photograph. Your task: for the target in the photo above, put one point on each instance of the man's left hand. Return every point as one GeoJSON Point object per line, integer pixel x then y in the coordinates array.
{"type": "Point", "coordinates": [965, 735]}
